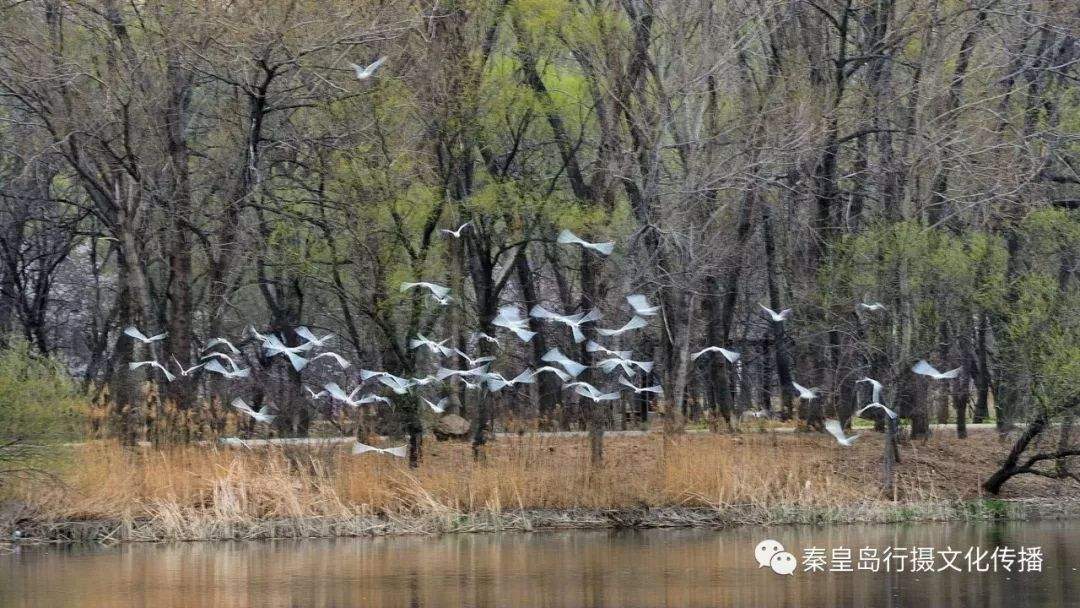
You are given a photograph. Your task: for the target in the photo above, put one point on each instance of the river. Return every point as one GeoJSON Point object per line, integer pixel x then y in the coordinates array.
{"type": "Point", "coordinates": [929, 566]}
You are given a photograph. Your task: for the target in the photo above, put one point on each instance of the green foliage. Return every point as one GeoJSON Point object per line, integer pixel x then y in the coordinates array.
{"type": "Point", "coordinates": [39, 401]}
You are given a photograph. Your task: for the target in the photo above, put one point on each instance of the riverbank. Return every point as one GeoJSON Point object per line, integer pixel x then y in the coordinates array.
{"type": "Point", "coordinates": [103, 493]}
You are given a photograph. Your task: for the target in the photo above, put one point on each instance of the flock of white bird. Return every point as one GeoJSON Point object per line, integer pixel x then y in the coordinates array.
{"type": "Point", "coordinates": [217, 355]}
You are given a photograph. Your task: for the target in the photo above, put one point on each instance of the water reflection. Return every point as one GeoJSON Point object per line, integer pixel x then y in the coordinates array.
{"type": "Point", "coordinates": [626, 568]}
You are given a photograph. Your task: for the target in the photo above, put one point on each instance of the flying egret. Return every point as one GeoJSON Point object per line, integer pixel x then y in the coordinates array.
{"type": "Point", "coordinates": [473, 362]}
{"type": "Point", "coordinates": [659, 390]}
{"type": "Point", "coordinates": [367, 374]}
{"type": "Point", "coordinates": [641, 305]}
{"type": "Point", "coordinates": [314, 395]}
{"type": "Point", "coordinates": [627, 365]}
{"type": "Point", "coordinates": [442, 301]}
{"type": "Point", "coordinates": [341, 361]}
{"type": "Point", "coordinates": [510, 318]}
{"type": "Point", "coordinates": [730, 355]}
{"type": "Point", "coordinates": [925, 369]}
{"type": "Point", "coordinates": [274, 346]}
{"type": "Point", "coordinates": [396, 384]}
{"type": "Point", "coordinates": [573, 321]}
{"type": "Point", "coordinates": [437, 290]}
{"type": "Point", "coordinates": [372, 399]}
{"type": "Point", "coordinates": [338, 394]}
{"type": "Point", "coordinates": [365, 72]}
{"type": "Point", "coordinates": [873, 307]}
{"type": "Point", "coordinates": [216, 341]}
{"type": "Point", "coordinates": [778, 317]}
{"type": "Point", "coordinates": [215, 366]}
{"type": "Point", "coordinates": [310, 338]}
{"type": "Point", "coordinates": [565, 377]}
{"type": "Point", "coordinates": [806, 393]}
{"type": "Point", "coordinates": [138, 364]}
{"type": "Point", "coordinates": [634, 323]}
{"type": "Point", "coordinates": [187, 372]}
{"type": "Point", "coordinates": [555, 356]}
{"type": "Point", "coordinates": [263, 415]}
{"type": "Point", "coordinates": [593, 347]}
{"type": "Point", "coordinates": [877, 387]}
{"type": "Point", "coordinates": [442, 373]}
{"type": "Point", "coordinates": [888, 412]}
{"type": "Point", "coordinates": [833, 426]}
{"type": "Point", "coordinates": [456, 233]}
{"type": "Point", "coordinates": [479, 335]}
{"type": "Point", "coordinates": [439, 407]}
{"type": "Point", "coordinates": [569, 238]}
{"type": "Point", "coordinates": [431, 345]}
{"type": "Point", "coordinates": [496, 382]}
{"type": "Point", "coordinates": [133, 332]}
{"type": "Point", "coordinates": [400, 451]}
{"type": "Point", "coordinates": [591, 392]}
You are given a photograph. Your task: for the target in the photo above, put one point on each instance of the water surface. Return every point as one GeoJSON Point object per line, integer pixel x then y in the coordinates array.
{"type": "Point", "coordinates": [550, 569]}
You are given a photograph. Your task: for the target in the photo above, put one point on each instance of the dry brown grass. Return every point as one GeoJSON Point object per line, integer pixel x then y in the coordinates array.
{"type": "Point", "coordinates": [187, 491]}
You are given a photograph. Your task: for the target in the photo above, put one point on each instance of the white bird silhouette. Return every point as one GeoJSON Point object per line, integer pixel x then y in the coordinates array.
{"type": "Point", "coordinates": [925, 369]}
{"type": "Point", "coordinates": [372, 399]}
{"type": "Point", "coordinates": [436, 290]}
{"type": "Point", "coordinates": [873, 307]}
{"type": "Point", "coordinates": [216, 341]}
{"type": "Point", "coordinates": [396, 384]}
{"type": "Point", "coordinates": [400, 451]}
{"type": "Point", "coordinates": [263, 415]}
{"type": "Point", "coordinates": [186, 372]}
{"type": "Point", "coordinates": [479, 335]}
{"type": "Point", "coordinates": [555, 356]}
{"type": "Point", "coordinates": [439, 407]}
{"type": "Point", "coordinates": [554, 370]}
{"type": "Point", "coordinates": [365, 72]}
{"type": "Point", "coordinates": [341, 361]}
{"type": "Point", "coordinates": [473, 362]}
{"type": "Point", "coordinates": [367, 374]}
{"type": "Point", "coordinates": [496, 382]}
{"type": "Point", "coordinates": [138, 364]}
{"type": "Point", "coordinates": [569, 238]}
{"type": "Point", "coordinates": [833, 426]}
{"type": "Point", "coordinates": [877, 387]}
{"type": "Point", "coordinates": [456, 233]}
{"type": "Point", "coordinates": [593, 347]}
{"type": "Point", "coordinates": [888, 412]}
{"type": "Point", "coordinates": [442, 301]}
{"type": "Point", "coordinates": [805, 393]}
{"type": "Point", "coordinates": [274, 346]}
{"type": "Point", "coordinates": [591, 392]}
{"type": "Point", "coordinates": [470, 385]}
{"type": "Point", "coordinates": [730, 355]}
{"type": "Point", "coordinates": [310, 338]}
{"type": "Point", "coordinates": [510, 318]}
{"type": "Point", "coordinates": [338, 394]}
{"type": "Point", "coordinates": [777, 317]}
{"type": "Point", "coordinates": [641, 305]}
{"type": "Point", "coordinates": [627, 365]}
{"type": "Point", "coordinates": [215, 366]}
{"type": "Point", "coordinates": [573, 321]}
{"type": "Point", "coordinates": [426, 380]}
{"type": "Point", "coordinates": [432, 346]}
{"type": "Point", "coordinates": [635, 323]}
{"type": "Point", "coordinates": [442, 373]}
{"type": "Point", "coordinates": [314, 395]}
{"type": "Point", "coordinates": [133, 332]}
{"type": "Point", "coordinates": [659, 390]}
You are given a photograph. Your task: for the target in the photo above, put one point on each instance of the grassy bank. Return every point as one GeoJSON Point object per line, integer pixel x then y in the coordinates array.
{"type": "Point", "coordinates": [103, 492]}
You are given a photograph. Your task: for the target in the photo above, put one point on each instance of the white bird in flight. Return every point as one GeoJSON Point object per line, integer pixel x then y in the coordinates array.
{"type": "Point", "coordinates": [138, 364]}
{"type": "Point", "coordinates": [573, 321]}
{"type": "Point", "coordinates": [777, 317]}
{"type": "Point", "coordinates": [833, 426]}
{"type": "Point", "coordinates": [925, 369]}
{"type": "Point", "coordinates": [569, 238]}
{"type": "Point", "coordinates": [314, 395]}
{"type": "Point", "coordinates": [365, 72]}
{"type": "Point", "coordinates": [431, 345]}
{"type": "Point", "coordinates": [439, 407]}
{"type": "Point", "coordinates": [274, 346]}
{"type": "Point", "coordinates": [591, 392]}
{"type": "Point", "coordinates": [659, 390]}
{"type": "Point", "coordinates": [510, 318]}
{"type": "Point", "coordinates": [436, 290]}
{"type": "Point", "coordinates": [496, 382]}
{"type": "Point", "coordinates": [627, 365]}
{"type": "Point", "coordinates": [134, 332]}
{"type": "Point", "coordinates": [215, 341]}
{"type": "Point", "coordinates": [888, 412]}
{"type": "Point", "coordinates": [215, 366]}
{"type": "Point", "coordinates": [479, 335]}
{"type": "Point", "coordinates": [396, 384]}
{"type": "Point", "coordinates": [473, 362]}
{"type": "Point", "coordinates": [456, 233]}
{"type": "Point", "coordinates": [263, 415]}
{"type": "Point", "coordinates": [555, 356]}
{"type": "Point", "coordinates": [400, 451]}
{"type": "Point", "coordinates": [635, 323]}
{"type": "Point", "coordinates": [186, 372]}
{"type": "Point", "coordinates": [730, 355]}
{"type": "Point", "coordinates": [442, 373]}
{"type": "Point", "coordinates": [593, 347]}
{"type": "Point", "coordinates": [805, 393]}
{"type": "Point", "coordinates": [565, 377]}
{"type": "Point", "coordinates": [310, 338]}
{"type": "Point", "coordinates": [877, 387]}
{"type": "Point", "coordinates": [872, 307]}
{"type": "Point", "coordinates": [641, 305]}
{"type": "Point", "coordinates": [341, 361]}
{"type": "Point", "coordinates": [338, 394]}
